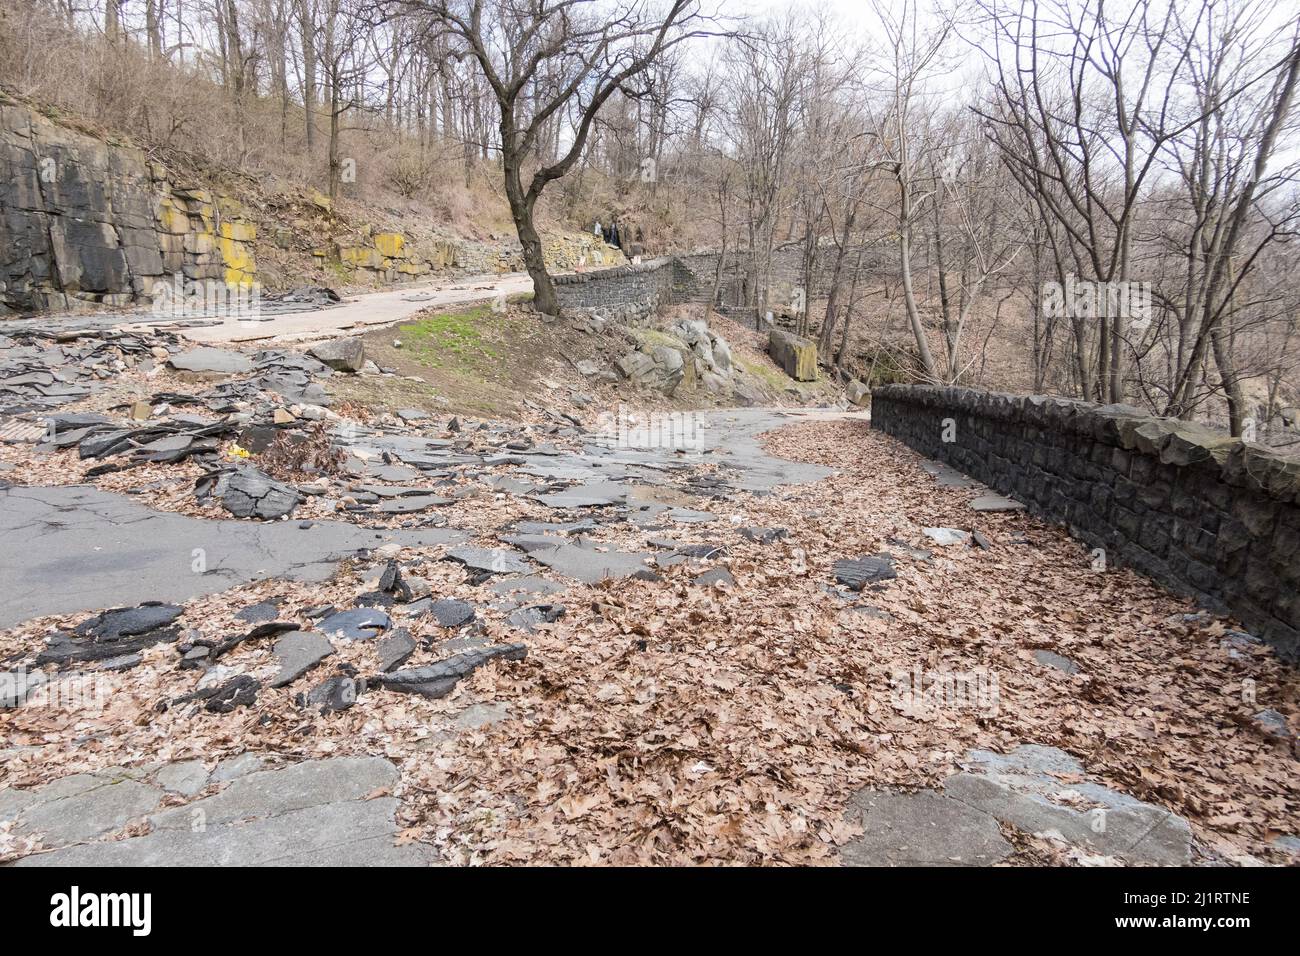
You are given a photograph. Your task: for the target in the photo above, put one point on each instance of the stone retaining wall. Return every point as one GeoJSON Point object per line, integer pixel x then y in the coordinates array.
{"type": "Point", "coordinates": [84, 222]}
{"type": "Point", "coordinates": [1203, 513]}
{"type": "Point", "coordinates": [654, 283]}
{"type": "Point", "coordinates": [690, 277]}
{"type": "Point", "coordinates": [786, 275]}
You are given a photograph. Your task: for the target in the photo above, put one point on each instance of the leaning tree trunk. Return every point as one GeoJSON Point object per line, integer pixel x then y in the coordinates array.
{"type": "Point", "coordinates": [833, 295]}
{"type": "Point", "coordinates": [909, 297]}
{"type": "Point", "coordinates": [521, 210]}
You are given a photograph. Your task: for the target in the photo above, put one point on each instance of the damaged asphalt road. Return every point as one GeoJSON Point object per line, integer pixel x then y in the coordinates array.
{"type": "Point", "coordinates": [76, 548]}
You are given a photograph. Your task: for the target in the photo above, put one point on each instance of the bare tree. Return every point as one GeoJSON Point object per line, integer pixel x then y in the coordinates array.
{"type": "Point", "coordinates": [558, 56]}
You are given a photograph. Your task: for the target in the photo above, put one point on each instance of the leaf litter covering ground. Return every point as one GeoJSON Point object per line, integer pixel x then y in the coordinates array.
{"type": "Point", "coordinates": [672, 723]}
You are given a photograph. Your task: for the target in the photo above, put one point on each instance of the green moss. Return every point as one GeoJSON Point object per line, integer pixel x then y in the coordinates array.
{"type": "Point", "coordinates": [653, 337]}
{"type": "Point", "coordinates": [767, 372]}
{"type": "Point", "coordinates": [452, 335]}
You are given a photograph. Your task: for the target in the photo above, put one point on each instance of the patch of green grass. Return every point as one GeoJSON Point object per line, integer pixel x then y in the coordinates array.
{"type": "Point", "coordinates": [767, 373]}
{"type": "Point", "coordinates": [454, 334]}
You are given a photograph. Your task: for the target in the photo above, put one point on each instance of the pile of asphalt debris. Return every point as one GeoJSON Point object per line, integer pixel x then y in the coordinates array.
{"type": "Point", "coordinates": [42, 370]}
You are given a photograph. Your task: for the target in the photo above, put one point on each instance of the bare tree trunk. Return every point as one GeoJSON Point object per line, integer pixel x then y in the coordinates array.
{"type": "Point", "coordinates": [833, 294]}
{"type": "Point", "coordinates": [521, 209]}
{"type": "Point", "coordinates": [905, 259]}
{"type": "Point", "coordinates": [152, 24]}
{"type": "Point", "coordinates": [113, 20]}
{"type": "Point", "coordinates": [307, 24]}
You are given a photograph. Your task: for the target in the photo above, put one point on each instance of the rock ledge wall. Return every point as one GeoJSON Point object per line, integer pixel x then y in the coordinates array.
{"type": "Point", "coordinates": [1203, 513]}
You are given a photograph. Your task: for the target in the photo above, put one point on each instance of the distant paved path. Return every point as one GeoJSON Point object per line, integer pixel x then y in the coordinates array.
{"type": "Point", "coordinates": [287, 321]}
{"type": "Point", "coordinates": [365, 309]}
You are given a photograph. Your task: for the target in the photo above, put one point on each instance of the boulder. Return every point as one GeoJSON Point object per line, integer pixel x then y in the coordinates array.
{"type": "Point", "coordinates": [704, 354]}
{"type": "Point", "coordinates": [670, 368]}
{"type": "Point", "coordinates": [857, 393]}
{"type": "Point", "coordinates": [662, 369]}
{"type": "Point", "coordinates": [635, 366]}
{"type": "Point", "coordinates": [714, 383]}
{"type": "Point", "coordinates": [692, 331]}
{"type": "Point", "coordinates": [342, 355]}
{"type": "Point", "coordinates": [795, 354]}
{"type": "Point", "coordinates": [721, 355]}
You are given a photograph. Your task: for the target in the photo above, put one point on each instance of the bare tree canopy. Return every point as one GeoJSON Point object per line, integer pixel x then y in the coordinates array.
{"type": "Point", "coordinates": [549, 62]}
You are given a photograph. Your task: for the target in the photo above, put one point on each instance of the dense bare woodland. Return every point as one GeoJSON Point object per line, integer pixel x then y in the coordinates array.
{"type": "Point", "coordinates": [652, 433]}
{"type": "Point", "coordinates": [941, 167]}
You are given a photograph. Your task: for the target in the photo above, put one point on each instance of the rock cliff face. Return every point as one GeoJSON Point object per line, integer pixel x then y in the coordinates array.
{"type": "Point", "coordinates": [85, 222]}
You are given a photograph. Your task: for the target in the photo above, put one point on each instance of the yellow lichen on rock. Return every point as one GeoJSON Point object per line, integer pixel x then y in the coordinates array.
{"type": "Point", "coordinates": [391, 244]}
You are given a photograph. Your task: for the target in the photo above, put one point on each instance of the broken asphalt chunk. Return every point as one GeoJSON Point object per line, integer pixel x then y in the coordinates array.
{"type": "Point", "coordinates": [451, 613]}
{"type": "Point", "coordinates": [298, 652]}
{"type": "Point", "coordinates": [395, 648]}
{"type": "Point", "coordinates": [715, 576]}
{"type": "Point", "coordinates": [438, 680]}
{"type": "Point", "coordinates": [857, 573]}
{"type": "Point", "coordinates": [764, 535]}
{"type": "Point", "coordinates": [489, 560]}
{"type": "Point", "coordinates": [239, 691]}
{"type": "Point", "coordinates": [359, 624]}
{"type": "Point", "coordinates": [528, 618]}
{"type": "Point", "coordinates": [247, 493]}
{"type": "Point", "coordinates": [260, 631]}
{"type": "Point", "coordinates": [114, 633]}
{"type": "Point", "coordinates": [330, 696]}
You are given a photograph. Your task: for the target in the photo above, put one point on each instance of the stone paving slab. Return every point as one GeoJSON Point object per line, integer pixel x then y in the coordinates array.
{"type": "Point", "coordinates": [1026, 789]}
{"type": "Point", "coordinates": [580, 561]}
{"type": "Point", "coordinates": [922, 829]}
{"type": "Point", "coordinates": [77, 548]}
{"type": "Point", "coordinates": [315, 813]}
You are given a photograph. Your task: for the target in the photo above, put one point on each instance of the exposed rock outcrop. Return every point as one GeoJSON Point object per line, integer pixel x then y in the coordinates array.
{"type": "Point", "coordinates": [85, 222]}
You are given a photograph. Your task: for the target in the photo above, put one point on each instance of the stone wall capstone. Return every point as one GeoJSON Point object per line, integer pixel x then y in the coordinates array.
{"type": "Point", "coordinates": [1204, 514]}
